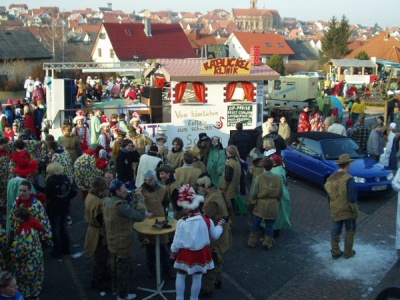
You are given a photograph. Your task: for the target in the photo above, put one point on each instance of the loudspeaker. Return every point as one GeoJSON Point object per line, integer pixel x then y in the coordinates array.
{"type": "Point", "coordinates": [69, 101]}
{"type": "Point", "coordinates": [155, 104]}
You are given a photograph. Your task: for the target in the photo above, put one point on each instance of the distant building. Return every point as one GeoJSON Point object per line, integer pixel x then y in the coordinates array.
{"type": "Point", "coordinates": [136, 41]}
{"type": "Point", "coordinates": [254, 19]}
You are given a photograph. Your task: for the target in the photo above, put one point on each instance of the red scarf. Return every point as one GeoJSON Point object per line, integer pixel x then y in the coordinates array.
{"type": "Point", "coordinates": [31, 224]}
{"type": "Point", "coordinates": [28, 203]}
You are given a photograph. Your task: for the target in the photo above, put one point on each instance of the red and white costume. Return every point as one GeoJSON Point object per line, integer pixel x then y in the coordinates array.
{"type": "Point", "coordinates": [192, 237]}
{"type": "Point", "coordinates": [82, 132]}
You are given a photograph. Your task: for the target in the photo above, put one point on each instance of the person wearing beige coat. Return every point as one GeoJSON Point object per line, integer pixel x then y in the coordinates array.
{"type": "Point", "coordinates": [95, 241]}
{"type": "Point", "coordinates": [266, 192]}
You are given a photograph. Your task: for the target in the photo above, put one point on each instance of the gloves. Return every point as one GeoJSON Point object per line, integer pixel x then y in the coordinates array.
{"type": "Point", "coordinates": [223, 221]}
{"type": "Point", "coordinates": [354, 209]}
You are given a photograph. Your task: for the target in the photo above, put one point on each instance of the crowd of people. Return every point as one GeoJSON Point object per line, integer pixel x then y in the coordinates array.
{"type": "Point", "coordinates": [125, 177]}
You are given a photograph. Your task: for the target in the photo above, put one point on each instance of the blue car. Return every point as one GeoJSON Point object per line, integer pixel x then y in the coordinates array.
{"type": "Point", "coordinates": [312, 155]}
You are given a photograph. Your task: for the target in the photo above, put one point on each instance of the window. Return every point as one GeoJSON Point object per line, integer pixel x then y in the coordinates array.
{"type": "Point", "coordinates": [99, 52]}
{"type": "Point", "coordinates": [268, 44]}
{"type": "Point", "coordinates": [277, 85]}
{"type": "Point", "coordinates": [280, 45]}
{"type": "Point", "coordinates": [111, 53]}
{"type": "Point", "coordinates": [310, 147]}
{"type": "Point", "coordinates": [102, 36]}
{"type": "Point", "coordinates": [128, 31]}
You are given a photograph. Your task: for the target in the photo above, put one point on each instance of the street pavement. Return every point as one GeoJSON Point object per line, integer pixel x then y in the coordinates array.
{"type": "Point", "coordinates": [298, 267]}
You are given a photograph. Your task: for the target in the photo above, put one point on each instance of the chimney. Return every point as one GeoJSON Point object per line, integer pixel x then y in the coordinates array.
{"type": "Point", "coordinates": [109, 5]}
{"type": "Point", "coordinates": [197, 34]}
{"type": "Point", "coordinates": [147, 27]}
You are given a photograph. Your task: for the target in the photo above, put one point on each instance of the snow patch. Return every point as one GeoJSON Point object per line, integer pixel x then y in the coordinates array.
{"type": "Point", "coordinates": [368, 266]}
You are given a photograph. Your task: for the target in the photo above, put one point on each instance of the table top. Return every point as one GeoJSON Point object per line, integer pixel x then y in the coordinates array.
{"type": "Point", "coordinates": [146, 227]}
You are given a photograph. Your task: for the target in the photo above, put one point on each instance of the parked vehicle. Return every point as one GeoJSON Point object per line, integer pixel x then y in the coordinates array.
{"type": "Point", "coordinates": [312, 155]}
{"type": "Point", "coordinates": [317, 74]}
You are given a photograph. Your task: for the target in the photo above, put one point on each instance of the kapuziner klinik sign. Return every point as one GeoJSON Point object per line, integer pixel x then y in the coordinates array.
{"type": "Point", "coordinates": [226, 66]}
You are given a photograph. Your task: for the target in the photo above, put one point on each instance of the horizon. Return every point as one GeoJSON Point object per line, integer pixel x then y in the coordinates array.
{"type": "Point", "coordinates": [301, 10]}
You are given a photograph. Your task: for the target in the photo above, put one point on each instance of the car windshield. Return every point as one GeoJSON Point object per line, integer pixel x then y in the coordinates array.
{"type": "Point", "coordinates": [332, 149]}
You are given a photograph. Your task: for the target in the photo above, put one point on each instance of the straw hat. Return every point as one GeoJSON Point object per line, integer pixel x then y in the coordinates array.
{"type": "Point", "coordinates": [344, 159]}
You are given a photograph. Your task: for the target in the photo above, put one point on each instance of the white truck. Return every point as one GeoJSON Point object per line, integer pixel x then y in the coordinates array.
{"type": "Point", "coordinates": [289, 94]}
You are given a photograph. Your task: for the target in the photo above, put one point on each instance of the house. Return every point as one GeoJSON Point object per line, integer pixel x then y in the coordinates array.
{"type": "Point", "coordinates": [384, 46]}
{"type": "Point", "coordinates": [240, 44]}
{"type": "Point", "coordinates": [137, 41]}
{"type": "Point", "coordinates": [17, 9]}
{"type": "Point", "coordinates": [20, 45]}
{"type": "Point", "coordinates": [304, 54]}
{"type": "Point", "coordinates": [199, 42]}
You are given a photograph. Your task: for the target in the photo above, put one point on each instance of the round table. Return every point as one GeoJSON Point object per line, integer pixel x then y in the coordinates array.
{"type": "Point", "coordinates": [146, 227]}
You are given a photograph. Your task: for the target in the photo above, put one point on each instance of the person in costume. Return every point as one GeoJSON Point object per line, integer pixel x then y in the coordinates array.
{"type": "Point", "coordinates": [118, 219]}
{"type": "Point", "coordinates": [215, 207]}
{"type": "Point", "coordinates": [95, 241]}
{"type": "Point", "coordinates": [304, 121]}
{"type": "Point", "coordinates": [266, 191]}
{"type": "Point", "coordinates": [5, 173]}
{"type": "Point", "coordinates": [285, 207]}
{"type": "Point", "coordinates": [255, 169]}
{"type": "Point", "coordinates": [216, 161]}
{"type": "Point", "coordinates": [175, 156]}
{"type": "Point", "coordinates": [105, 138]}
{"type": "Point", "coordinates": [34, 203]}
{"type": "Point", "coordinates": [95, 128]}
{"type": "Point", "coordinates": [27, 254]}
{"type": "Point", "coordinates": [161, 140]}
{"type": "Point", "coordinates": [86, 170]}
{"type": "Point", "coordinates": [190, 248]}
{"type": "Point", "coordinates": [59, 192]}
{"type": "Point", "coordinates": [71, 142]}
{"type": "Point", "coordinates": [156, 201]}
{"type": "Point", "coordinates": [25, 170]}
{"type": "Point", "coordinates": [61, 156]}
{"type": "Point", "coordinates": [81, 130]}
{"type": "Point", "coordinates": [4, 248]}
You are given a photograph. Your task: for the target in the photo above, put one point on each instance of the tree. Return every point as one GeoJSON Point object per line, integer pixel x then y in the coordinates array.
{"type": "Point", "coordinates": [362, 55]}
{"type": "Point", "coordinates": [334, 42]}
{"type": "Point", "coordinates": [276, 63]}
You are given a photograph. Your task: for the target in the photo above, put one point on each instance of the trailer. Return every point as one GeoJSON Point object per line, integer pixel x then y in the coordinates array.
{"type": "Point", "coordinates": [190, 96]}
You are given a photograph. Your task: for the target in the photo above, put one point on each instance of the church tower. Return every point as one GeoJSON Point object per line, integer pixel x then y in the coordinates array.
{"type": "Point", "coordinates": [253, 3]}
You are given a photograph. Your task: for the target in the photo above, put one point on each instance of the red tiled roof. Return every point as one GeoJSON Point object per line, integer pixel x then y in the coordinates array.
{"type": "Point", "coordinates": [203, 39]}
{"type": "Point", "coordinates": [189, 69]}
{"type": "Point", "coordinates": [382, 46]}
{"type": "Point", "coordinates": [166, 41]}
{"type": "Point", "coordinates": [90, 27]}
{"type": "Point", "coordinates": [82, 11]}
{"type": "Point", "coordinates": [251, 12]}
{"type": "Point", "coordinates": [249, 39]}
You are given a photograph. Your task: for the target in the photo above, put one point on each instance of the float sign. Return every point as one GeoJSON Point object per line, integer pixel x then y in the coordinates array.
{"type": "Point", "coordinates": [239, 113]}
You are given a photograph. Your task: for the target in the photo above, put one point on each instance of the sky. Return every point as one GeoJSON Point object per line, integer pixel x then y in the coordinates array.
{"type": "Point", "coordinates": [358, 12]}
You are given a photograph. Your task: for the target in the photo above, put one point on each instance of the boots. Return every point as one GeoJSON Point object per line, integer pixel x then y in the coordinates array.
{"type": "Point", "coordinates": [336, 252]}
{"type": "Point", "coordinates": [348, 245]}
{"type": "Point", "coordinates": [267, 243]}
{"type": "Point", "coordinates": [252, 241]}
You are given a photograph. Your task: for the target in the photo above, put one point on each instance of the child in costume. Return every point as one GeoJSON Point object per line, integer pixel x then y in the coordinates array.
{"type": "Point", "coordinates": [191, 246]}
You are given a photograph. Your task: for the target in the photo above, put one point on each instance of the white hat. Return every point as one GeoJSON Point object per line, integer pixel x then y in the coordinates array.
{"type": "Point", "coordinates": [80, 115]}
{"type": "Point", "coordinates": [393, 125]}
{"type": "Point", "coordinates": [188, 199]}
{"type": "Point", "coordinates": [135, 117]}
{"type": "Point", "coordinates": [105, 124]}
